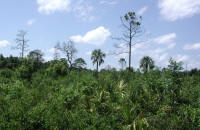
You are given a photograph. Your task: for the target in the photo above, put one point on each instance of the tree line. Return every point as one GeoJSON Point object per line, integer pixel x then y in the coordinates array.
{"type": "Point", "coordinates": [132, 29]}
{"type": "Point", "coordinates": [131, 24]}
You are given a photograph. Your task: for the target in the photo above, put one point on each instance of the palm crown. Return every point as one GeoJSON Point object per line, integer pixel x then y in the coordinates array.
{"type": "Point", "coordinates": [146, 63]}
{"type": "Point", "coordinates": [122, 61]}
{"type": "Point", "coordinates": [98, 57]}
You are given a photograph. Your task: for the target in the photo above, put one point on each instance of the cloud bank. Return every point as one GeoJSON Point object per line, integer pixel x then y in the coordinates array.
{"type": "Point", "coordinates": [172, 10]}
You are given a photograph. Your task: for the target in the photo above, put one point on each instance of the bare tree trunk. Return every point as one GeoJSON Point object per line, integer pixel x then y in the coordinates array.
{"type": "Point", "coordinates": [21, 43]}
{"type": "Point", "coordinates": [97, 66]}
{"type": "Point", "coordinates": [23, 48]}
{"type": "Point", "coordinates": [130, 36]}
{"type": "Point", "coordinates": [69, 61]}
{"type": "Point", "coordinates": [129, 57]}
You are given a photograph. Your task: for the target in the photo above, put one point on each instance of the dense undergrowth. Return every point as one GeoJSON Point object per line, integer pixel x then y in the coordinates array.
{"type": "Point", "coordinates": [54, 97]}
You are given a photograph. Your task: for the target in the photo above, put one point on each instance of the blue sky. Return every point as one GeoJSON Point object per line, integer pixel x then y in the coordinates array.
{"type": "Point", "coordinates": [171, 28]}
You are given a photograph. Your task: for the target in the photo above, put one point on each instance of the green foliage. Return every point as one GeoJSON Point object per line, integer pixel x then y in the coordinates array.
{"type": "Point", "coordinates": [56, 98]}
{"type": "Point", "coordinates": [9, 62]}
{"type": "Point", "coordinates": [146, 64]}
{"type": "Point", "coordinates": [133, 19]}
{"type": "Point", "coordinates": [98, 57]}
{"type": "Point", "coordinates": [37, 58]}
{"type": "Point", "coordinates": [26, 69]}
{"type": "Point", "coordinates": [175, 66]}
{"type": "Point", "coordinates": [57, 68]}
{"type": "Point", "coordinates": [6, 73]}
{"type": "Point", "coordinates": [36, 55]}
{"type": "Point", "coordinates": [79, 63]}
{"type": "Point", "coordinates": [122, 62]}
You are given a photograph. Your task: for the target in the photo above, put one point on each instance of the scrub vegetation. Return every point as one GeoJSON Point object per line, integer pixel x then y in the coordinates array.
{"type": "Point", "coordinates": [50, 95]}
{"type": "Point", "coordinates": [63, 94]}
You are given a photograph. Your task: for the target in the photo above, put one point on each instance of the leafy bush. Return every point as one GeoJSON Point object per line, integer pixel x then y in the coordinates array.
{"type": "Point", "coordinates": [6, 73]}
{"type": "Point", "coordinates": [58, 68]}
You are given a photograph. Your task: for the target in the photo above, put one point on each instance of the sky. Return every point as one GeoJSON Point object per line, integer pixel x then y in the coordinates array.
{"type": "Point", "coordinates": [171, 28]}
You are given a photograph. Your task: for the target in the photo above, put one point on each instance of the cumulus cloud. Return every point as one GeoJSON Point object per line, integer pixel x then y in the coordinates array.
{"type": "Point", "coordinates": [142, 10]}
{"type": "Point", "coordinates": [50, 6]}
{"type": "Point", "coordinates": [94, 37]}
{"type": "Point", "coordinates": [4, 44]}
{"type": "Point", "coordinates": [30, 22]}
{"type": "Point", "coordinates": [195, 46]}
{"type": "Point", "coordinates": [178, 9]}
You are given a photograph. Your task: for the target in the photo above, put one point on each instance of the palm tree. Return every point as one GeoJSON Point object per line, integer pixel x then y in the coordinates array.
{"type": "Point", "coordinates": [146, 63]}
{"type": "Point", "coordinates": [122, 62]}
{"type": "Point", "coordinates": [98, 57]}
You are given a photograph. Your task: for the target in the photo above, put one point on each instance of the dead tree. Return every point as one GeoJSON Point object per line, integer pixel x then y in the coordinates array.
{"type": "Point", "coordinates": [56, 51]}
{"type": "Point", "coordinates": [22, 42]}
{"type": "Point", "coordinates": [69, 51]}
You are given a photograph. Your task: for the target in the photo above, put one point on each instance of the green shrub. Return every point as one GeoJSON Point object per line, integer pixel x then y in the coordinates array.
{"type": "Point", "coordinates": [6, 73]}
{"type": "Point", "coordinates": [57, 68]}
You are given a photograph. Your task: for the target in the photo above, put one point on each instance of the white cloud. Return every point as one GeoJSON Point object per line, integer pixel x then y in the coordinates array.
{"type": "Point", "coordinates": [94, 37]}
{"type": "Point", "coordinates": [165, 39]}
{"type": "Point", "coordinates": [88, 53]}
{"type": "Point", "coordinates": [178, 9]}
{"type": "Point", "coordinates": [183, 58]}
{"type": "Point", "coordinates": [163, 57]}
{"type": "Point", "coordinates": [110, 2]}
{"type": "Point", "coordinates": [142, 10]}
{"type": "Point", "coordinates": [51, 50]}
{"type": "Point", "coordinates": [193, 64]}
{"type": "Point", "coordinates": [159, 50]}
{"type": "Point", "coordinates": [48, 58]}
{"type": "Point", "coordinates": [122, 55]}
{"type": "Point", "coordinates": [171, 45]}
{"type": "Point", "coordinates": [168, 39]}
{"type": "Point", "coordinates": [83, 10]}
{"type": "Point", "coordinates": [122, 45]}
{"type": "Point", "coordinates": [50, 6]}
{"type": "Point", "coordinates": [4, 44]}
{"type": "Point", "coordinates": [195, 46]}
{"type": "Point", "coordinates": [30, 22]}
